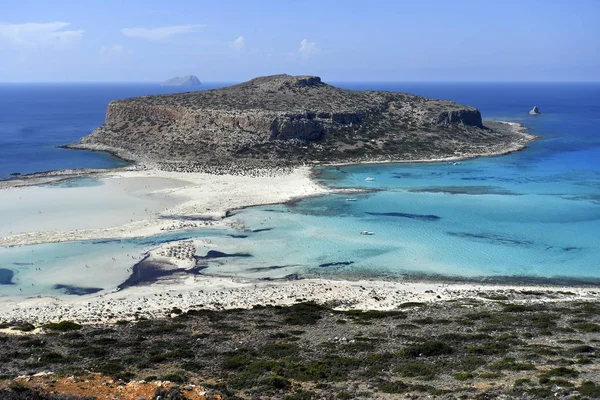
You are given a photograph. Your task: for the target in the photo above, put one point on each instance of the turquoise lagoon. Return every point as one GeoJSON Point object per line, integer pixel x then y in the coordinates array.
{"type": "Point", "coordinates": [531, 216]}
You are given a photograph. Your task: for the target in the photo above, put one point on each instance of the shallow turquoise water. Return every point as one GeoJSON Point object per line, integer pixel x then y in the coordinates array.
{"type": "Point", "coordinates": [531, 215]}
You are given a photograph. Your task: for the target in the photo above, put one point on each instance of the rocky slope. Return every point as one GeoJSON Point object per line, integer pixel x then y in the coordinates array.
{"type": "Point", "coordinates": [288, 120]}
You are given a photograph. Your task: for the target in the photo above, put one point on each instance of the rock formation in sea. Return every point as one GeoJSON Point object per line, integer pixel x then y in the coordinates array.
{"type": "Point", "coordinates": [189, 80]}
{"type": "Point", "coordinates": [285, 120]}
{"type": "Point", "coordinates": [534, 111]}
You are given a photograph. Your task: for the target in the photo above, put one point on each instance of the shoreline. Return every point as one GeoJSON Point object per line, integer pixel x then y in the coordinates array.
{"type": "Point", "coordinates": [216, 293]}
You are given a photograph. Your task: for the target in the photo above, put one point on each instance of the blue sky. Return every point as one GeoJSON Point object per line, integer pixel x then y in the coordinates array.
{"type": "Point", "coordinates": [226, 41]}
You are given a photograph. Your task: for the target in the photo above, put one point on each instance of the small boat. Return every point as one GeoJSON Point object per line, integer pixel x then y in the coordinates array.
{"type": "Point", "coordinates": [368, 233]}
{"type": "Point", "coordinates": [369, 179]}
{"type": "Point", "coordinates": [350, 199]}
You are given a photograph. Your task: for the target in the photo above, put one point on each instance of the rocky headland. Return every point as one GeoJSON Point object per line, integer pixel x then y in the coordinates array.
{"type": "Point", "coordinates": [287, 120]}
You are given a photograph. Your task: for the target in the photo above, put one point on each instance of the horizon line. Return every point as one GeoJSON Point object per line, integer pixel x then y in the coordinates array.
{"type": "Point", "coordinates": [332, 81]}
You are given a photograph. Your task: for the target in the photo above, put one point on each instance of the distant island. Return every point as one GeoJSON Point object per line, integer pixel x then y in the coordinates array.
{"type": "Point", "coordinates": [285, 120]}
{"type": "Point", "coordinates": [189, 80]}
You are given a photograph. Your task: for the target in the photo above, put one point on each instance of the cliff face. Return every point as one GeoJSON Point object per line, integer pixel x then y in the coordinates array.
{"type": "Point", "coordinates": [288, 120]}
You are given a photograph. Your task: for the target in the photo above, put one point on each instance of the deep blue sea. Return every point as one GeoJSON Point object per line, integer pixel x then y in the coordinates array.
{"type": "Point", "coordinates": [37, 118]}
{"type": "Point", "coordinates": [533, 215]}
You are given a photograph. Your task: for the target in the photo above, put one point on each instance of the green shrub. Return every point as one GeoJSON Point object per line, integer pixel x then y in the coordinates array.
{"type": "Point", "coordinates": [411, 370]}
{"type": "Point", "coordinates": [302, 313]}
{"type": "Point", "coordinates": [562, 372]}
{"type": "Point", "coordinates": [237, 362]}
{"type": "Point", "coordinates": [18, 387]}
{"type": "Point", "coordinates": [464, 376]}
{"type": "Point", "coordinates": [589, 389]}
{"type": "Point", "coordinates": [344, 395]}
{"type": "Point", "coordinates": [62, 326]}
{"type": "Point", "coordinates": [279, 350]}
{"type": "Point", "coordinates": [411, 304]}
{"type": "Point", "coordinates": [277, 382]}
{"type": "Point", "coordinates": [50, 357]}
{"type": "Point", "coordinates": [510, 364]}
{"type": "Point", "coordinates": [175, 377]}
{"type": "Point", "coordinates": [26, 327]}
{"type": "Point", "coordinates": [374, 314]}
{"type": "Point", "coordinates": [109, 368]}
{"type": "Point", "coordinates": [588, 327]}
{"type": "Point", "coordinates": [429, 348]}
{"type": "Point", "coordinates": [583, 349]}
{"type": "Point", "coordinates": [393, 387]}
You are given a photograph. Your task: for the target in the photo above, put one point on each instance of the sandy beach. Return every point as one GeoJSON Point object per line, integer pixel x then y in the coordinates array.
{"type": "Point", "coordinates": [137, 203]}
{"type": "Point", "coordinates": [215, 293]}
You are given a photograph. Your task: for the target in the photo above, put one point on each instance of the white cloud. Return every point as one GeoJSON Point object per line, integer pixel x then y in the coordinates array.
{"type": "Point", "coordinates": [238, 44]}
{"type": "Point", "coordinates": [160, 33]}
{"type": "Point", "coordinates": [34, 34]}
{"type": "Point", "coordinates": [307, 49]}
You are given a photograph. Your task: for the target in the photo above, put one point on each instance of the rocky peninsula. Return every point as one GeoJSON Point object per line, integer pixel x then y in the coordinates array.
{"type": "Point", "coordinates": [284, 120]}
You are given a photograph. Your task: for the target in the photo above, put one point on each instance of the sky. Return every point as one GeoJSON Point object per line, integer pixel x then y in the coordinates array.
{"type": "Point", "coordinates": [339, 40]}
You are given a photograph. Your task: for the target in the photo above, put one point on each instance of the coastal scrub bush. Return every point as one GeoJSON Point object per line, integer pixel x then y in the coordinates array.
{"type": "Point", "coordinates": [589, 389]}
{"type": "Point", "coordinates": [374, 314]}
{"type": "Point", "coordinates": [411, 370]}
{"type": "Point", "coordinates": [429, 348]}
{"type": "Point", "coordinates": [279, 350]}
{"type": "Point", "coordinates": [26, 327]}
{"type": "Point", "coordinates": [588, 327]}
{"type": "Point", "coordinates": [109, 368]}
{"type": "Point", "coordinates": [250, 375]}
{"type": "Point", "coordinates": [583, 349]}
{"type": "Point", "coordinates": [464, 376]}
{"type": "Point", "coordinates": [393, 387]}
{"type": "Point", "coordinates": [277, 382]}
{"type": "Point", "coordinates": [175, 377]}
{"type": "Point", "coordinates": [62, 326]}
{"type": "Point", "coordinates": [50, 357]}
{"type": "Point", "coordinates": [470, 363]}
{"type": "Point", "coordinates": [330, 369]}
{"type": "Point", "coordinates": [302, 313]}
{"type": "Point", "coordinates": [562, 372]}
{"type": "Point", "coordinates": [237, 360]}
{"type": "Point", "coordinates": [411, 304]}
{"type": "Point", "coordinates": [510, 364]}
{"type": "Point", "coordinates": [489, 348]}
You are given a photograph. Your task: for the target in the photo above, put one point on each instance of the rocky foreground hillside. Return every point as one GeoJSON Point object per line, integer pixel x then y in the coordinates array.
{"type": "Point", "coordinates": [288, 120]}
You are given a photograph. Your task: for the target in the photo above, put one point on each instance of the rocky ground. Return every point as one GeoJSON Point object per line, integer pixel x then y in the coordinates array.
{"type": "Point", "coordinates": [482, 349]}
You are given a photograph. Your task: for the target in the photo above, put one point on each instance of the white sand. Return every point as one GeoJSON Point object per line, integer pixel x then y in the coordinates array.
{"type": "Point", "coordinates": [224, 293]}
{"type": "Point", "coordinates": [115, 202]}
{"type": "Point", "coordinates": [138, 203]}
